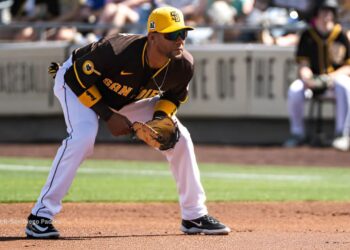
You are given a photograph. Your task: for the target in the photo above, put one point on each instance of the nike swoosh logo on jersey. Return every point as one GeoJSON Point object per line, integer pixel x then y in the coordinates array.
{"type": "Point", "coordinates": [39, 228]}
{"type": "Point", "coordinates": [197, 224]}
{"type": "Point", "coordinates": [124, 73]}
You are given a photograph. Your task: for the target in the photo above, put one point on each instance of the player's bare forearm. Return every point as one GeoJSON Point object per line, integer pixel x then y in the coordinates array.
{"type": "Point", "coordinates": [119, 125]}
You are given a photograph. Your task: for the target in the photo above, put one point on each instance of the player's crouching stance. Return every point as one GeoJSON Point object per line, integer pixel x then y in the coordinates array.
{"type": "Point", "coordinates": [136, 84]}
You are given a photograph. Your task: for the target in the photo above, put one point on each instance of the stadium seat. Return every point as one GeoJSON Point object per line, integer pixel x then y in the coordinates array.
{"type": "Point", "coordinates": [315, 126]}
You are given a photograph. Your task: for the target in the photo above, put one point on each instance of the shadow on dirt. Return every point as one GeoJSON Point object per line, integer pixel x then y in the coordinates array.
{"type": "Point", "coordinates": [15, 238]}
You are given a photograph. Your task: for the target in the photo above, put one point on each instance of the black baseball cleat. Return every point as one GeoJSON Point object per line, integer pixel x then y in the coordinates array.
{"type": "Point", "coordinates": [40, 228]}
{"type": "Point", "coordinates": [205, 224]}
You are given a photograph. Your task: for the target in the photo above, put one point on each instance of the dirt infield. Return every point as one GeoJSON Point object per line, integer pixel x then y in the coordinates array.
{"type": "Point", "coordinates": [309, 225]}
{"type": "Point", "coordinates": [272, 225]}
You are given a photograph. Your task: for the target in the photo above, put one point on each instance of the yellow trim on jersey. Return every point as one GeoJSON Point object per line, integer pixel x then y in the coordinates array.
{"type": "Point", "coordinates": [319, 42]}
{"type": "Point", "coordinates": [166, 106]}
{"type": "Point", "coordinates": [143, 61]}
{"type": "Point", "coordinates": [347, 62]}
{"type": "Point", "coordinates": [88, 68]}
{"type": "Point", "coordinates": [185, 100]}
{"type": "Point", "coordinates": [330, 40]}
{"type": "Point", "coordinates": [334, 34]}
{"type": "Point", "coordinates": [77, 76]}
{"type": "Point", "coordinates": [90, 96]}
{"type": "Point", "coordinates": [163, 67]}
{"type": "Point", "coordinates": [144, 54]}
{"type": "Point", "coordinates": [330, 69]}
{"type": "Point", "coordinates": [97, 72]}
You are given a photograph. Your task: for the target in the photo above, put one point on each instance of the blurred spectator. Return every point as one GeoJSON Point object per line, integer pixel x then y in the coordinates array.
{"type": "Point", "coordinates": [33, 11]}
{"type": "Point", "coordinates": [242, 7]}
{"type": "Point", "coordinates": [254, 19]}
{"type": "Point", "coordinates": [303, 7]}
{"type": "Point", "coordinates": [5, 16]}
{"type": "Point", "coordinates": [193, 10]}
{"type": "Point", "coordinates": [228, 13]}
{"type": "Point", "coordinates": [297, 14]}
{"type": "Point", "coordinates": [119, 13]}
{"type": "Point", "coordinates": [344, 16]}
{"type": "Point", "coordinates": [221, 12]}
{"type": "Point", "coordinates": [344, 12]}
{"type": "Point", "coordinates": [80, 11]}
{"type": "Point", "coordinates": [323, 56]}
{"type": "Point", "coordinates": [275, 30]}
{"type": "Point", "coordinates": [272, 19]}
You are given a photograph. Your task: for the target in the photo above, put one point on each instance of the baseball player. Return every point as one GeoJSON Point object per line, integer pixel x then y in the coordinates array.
{"type": "Point", "coordinates": [323, 57]}
{"type": "Point", "coordinates": [125, 79]}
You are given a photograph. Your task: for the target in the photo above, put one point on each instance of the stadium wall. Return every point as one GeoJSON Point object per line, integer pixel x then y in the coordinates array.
{"type": "Point", "coordinates": [237, 95]}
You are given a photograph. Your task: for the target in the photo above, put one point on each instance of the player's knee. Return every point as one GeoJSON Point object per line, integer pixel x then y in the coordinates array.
{"type": "Point", "coordinates": [342, 81]}
{"type": "Point", "coordinates": [84, 138]}
{"type": "Point", "coordinates": [296, 89]}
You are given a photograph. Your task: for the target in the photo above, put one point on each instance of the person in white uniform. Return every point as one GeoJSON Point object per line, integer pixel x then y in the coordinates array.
{"type": "Point", "coordinates": [122, 79]}
{"type": "Point", "coordinates": [323, 57]}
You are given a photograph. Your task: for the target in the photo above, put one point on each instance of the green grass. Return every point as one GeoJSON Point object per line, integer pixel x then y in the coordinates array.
{"type": "Point", "coordinates": [125, 181]}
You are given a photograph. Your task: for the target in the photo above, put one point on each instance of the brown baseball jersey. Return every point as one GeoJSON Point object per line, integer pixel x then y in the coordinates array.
{"type": "Point", "coordinates": [118, 67]}
{"type": "Point", "coordinates": [325, 53]}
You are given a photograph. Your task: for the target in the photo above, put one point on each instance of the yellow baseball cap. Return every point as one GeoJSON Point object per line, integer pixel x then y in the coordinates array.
{"type": "Point", "coordinates": [166, 20]}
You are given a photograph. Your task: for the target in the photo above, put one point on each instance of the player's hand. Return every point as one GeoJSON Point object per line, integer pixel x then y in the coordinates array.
{"type": "Point", "coordinates": [319, 82]}
{"type": "Point", "coordinates": [119, 125]}
{"type": "Point", "coordinates": [322, 82]}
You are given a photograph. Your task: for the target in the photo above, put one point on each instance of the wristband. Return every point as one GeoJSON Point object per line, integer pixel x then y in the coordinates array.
{"type": "Point", "coordinates": [168, 107]}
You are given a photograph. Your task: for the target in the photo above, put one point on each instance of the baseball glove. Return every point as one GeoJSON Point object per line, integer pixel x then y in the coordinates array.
{"type": "Point", "coordinates": [161, 133]}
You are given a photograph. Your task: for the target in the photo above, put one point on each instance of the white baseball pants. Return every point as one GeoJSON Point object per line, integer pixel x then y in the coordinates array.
{"type": "Point", "coordinates": [341, 93]}
{"type": "Point", "coordinates": [82, 127]}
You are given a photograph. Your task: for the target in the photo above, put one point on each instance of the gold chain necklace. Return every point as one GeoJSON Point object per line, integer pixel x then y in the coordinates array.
{"type": "Point", "coordinates": [159, 87]}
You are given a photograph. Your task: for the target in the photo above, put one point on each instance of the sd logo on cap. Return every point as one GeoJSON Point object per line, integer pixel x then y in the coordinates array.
{"type": "Point", "coordinates": [166, 20]}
